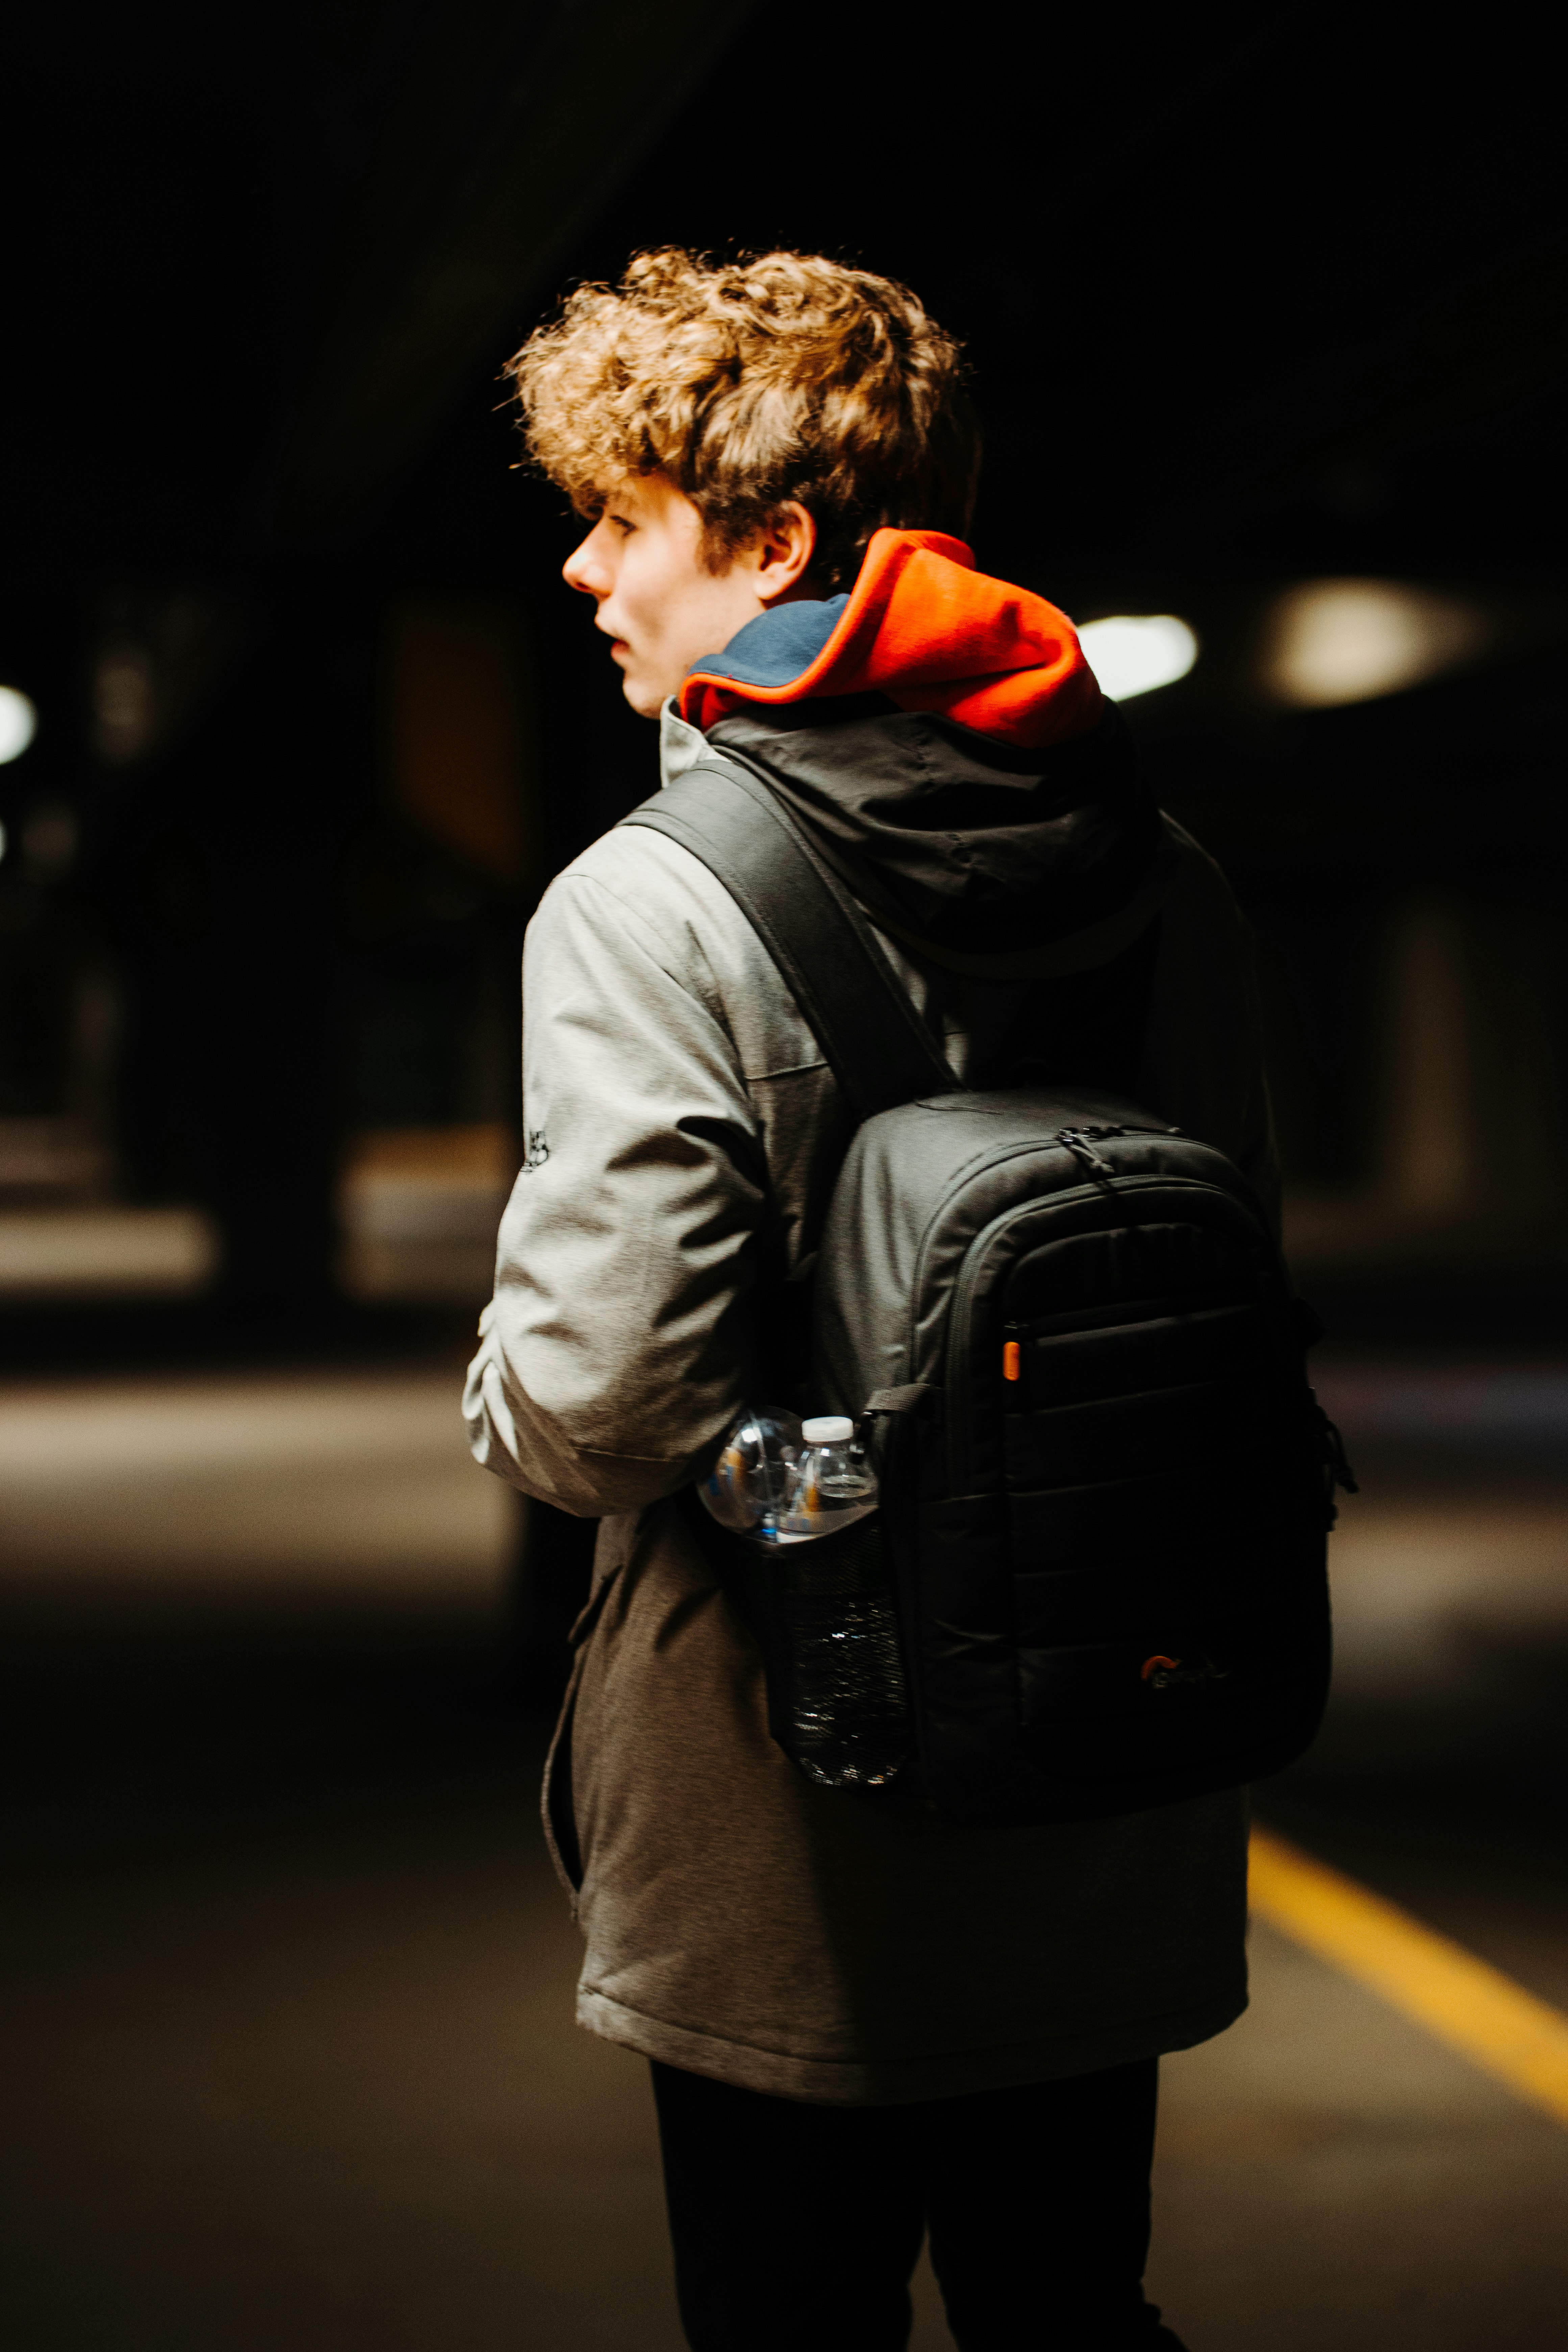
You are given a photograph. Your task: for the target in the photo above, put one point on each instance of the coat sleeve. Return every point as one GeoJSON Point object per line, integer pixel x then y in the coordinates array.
{"type": "Point", "coordinates": [610, 1355]}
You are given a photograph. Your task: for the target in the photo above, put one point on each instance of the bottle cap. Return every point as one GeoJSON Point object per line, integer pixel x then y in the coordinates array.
{"type": "Point", "coordinates": [828, 1429]}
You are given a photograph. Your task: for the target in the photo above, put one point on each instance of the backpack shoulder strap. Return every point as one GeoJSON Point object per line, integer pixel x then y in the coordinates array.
{"type": "Point", "coordinates": [874, 1041]}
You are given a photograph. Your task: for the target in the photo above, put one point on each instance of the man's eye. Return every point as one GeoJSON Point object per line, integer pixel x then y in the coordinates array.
{"type": "Point", "coordinates": [620, 522]}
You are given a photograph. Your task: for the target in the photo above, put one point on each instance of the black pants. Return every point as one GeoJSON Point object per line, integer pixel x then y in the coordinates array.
{"type": "Point", "coordinates": [798, 2226]}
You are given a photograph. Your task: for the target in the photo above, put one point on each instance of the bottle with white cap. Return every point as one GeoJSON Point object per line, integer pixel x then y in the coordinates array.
{"type": "Point", "coordinates": [822, 1609]}
{"type": "Point", "coordinates": [834, 1484]}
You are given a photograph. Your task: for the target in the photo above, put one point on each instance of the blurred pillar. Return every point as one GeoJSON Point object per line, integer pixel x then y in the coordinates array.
{"type": "Point", "coordinates": [461, 723]}
{"type": "Point", "coordinates": [1427, 1138]}
{"type": "Point", "coordinates": [1472, 1111]}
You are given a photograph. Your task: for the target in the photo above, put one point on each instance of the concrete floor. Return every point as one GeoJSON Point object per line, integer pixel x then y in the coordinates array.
{"type": "Point", "coordinates": [285, 1981]}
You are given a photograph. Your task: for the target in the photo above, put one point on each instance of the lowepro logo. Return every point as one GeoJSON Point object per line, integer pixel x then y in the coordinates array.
{"type": "Point", "coordinates": [1159, 1672]}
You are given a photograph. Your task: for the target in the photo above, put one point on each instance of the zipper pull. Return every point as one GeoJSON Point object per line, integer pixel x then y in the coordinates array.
{"type": "Point", "coordinates": [1075, 1139]}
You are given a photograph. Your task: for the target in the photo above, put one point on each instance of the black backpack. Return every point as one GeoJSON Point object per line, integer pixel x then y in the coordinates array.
{"type": "Point", "coordinates": [1097, 1581]}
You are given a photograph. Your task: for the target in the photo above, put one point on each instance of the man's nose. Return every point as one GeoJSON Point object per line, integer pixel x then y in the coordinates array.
{"type": "Point", "coordinates": [583, 570]}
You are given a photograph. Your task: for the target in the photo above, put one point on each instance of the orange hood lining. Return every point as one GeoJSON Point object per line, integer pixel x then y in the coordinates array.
{"type": "Point", "coordinates": [924, 628]}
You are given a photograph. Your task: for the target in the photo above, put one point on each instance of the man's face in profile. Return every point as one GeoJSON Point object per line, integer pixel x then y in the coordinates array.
{"type": "Point", "coordinates": [659, 604]}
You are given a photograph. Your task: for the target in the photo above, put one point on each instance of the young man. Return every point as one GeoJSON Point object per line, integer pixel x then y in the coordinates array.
{"type": "Point", "coordinates": [864, 2020]}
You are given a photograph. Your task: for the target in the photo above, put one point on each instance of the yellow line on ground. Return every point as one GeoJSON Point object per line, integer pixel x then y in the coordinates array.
{"type": "Point", "coordinates": [1462, 2000]}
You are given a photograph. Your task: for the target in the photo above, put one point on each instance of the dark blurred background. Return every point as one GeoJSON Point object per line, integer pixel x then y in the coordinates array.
{"type": "Point", "coordinates": [1260, 308]}
{"type": "Point", "coordinates": [1266, 309]}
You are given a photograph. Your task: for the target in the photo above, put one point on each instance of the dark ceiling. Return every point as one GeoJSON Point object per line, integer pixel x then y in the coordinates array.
{"type": "Point", "coordinates": [1245, 290]}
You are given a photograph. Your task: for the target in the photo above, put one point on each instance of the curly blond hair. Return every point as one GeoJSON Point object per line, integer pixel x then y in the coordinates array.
{"type": "Point", "coordinates": [750, 384]}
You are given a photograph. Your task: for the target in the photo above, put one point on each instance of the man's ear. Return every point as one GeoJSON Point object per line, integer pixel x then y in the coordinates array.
{"type": "Point", "coordinates": [782, 553]}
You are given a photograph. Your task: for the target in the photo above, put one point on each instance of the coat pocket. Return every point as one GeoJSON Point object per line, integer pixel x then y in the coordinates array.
{"type": "Point", "coordinates": [557, 1809]}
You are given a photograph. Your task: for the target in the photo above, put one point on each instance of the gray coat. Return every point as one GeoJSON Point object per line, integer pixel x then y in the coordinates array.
{"type": "Point", "coordinates": [740, 1922]}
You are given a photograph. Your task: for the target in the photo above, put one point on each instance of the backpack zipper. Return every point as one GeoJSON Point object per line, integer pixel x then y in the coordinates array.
{"type": "Point", "coordinates": [958, 1390]}
{"type": "Point", "coordinates": [984, 1161]}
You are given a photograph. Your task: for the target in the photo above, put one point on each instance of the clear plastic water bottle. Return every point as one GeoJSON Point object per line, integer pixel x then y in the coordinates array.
{"type": "Point", "coordinates": [833, 1485]}
{"type": "Point", "coordinates": [781, 1480]}
{"type": "Point", "coordinates": [749, 1486]}
{"type": "Point", "coordinates": [822, 1607]}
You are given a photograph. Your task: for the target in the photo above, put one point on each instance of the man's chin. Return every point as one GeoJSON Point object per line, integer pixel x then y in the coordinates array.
{"type": "Point", "coordinates": [645, 700]}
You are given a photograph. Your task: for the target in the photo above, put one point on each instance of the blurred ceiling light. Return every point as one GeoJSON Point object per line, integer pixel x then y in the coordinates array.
{"type": "Point", "coordinates": [1134, 653]}
{"type": "Point", "coordinates": [18, 723]}
{"type": "Point", "coordinates": [1333, 641]}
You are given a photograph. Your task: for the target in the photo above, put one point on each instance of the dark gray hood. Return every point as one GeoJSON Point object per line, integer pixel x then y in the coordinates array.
{"type": "Point", "coordinates": [970, 850]}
